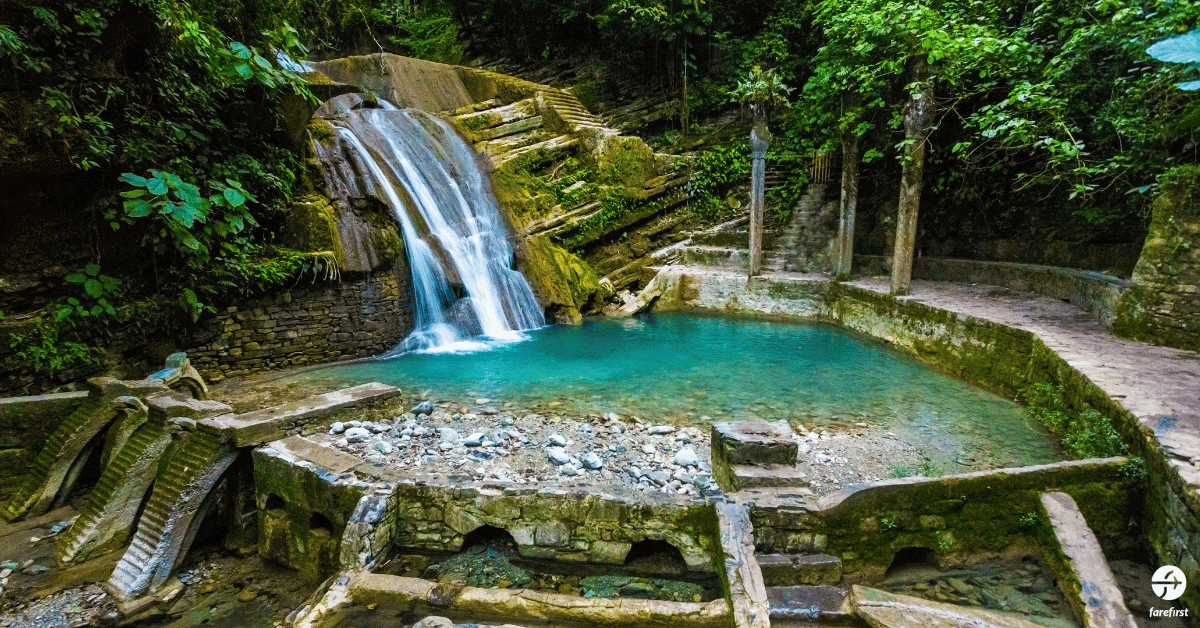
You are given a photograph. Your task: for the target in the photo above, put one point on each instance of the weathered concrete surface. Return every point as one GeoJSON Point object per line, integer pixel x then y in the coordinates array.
{"type": "Point", "coordinates": [1088, 290]}
{"type": "Point", "coordinates": [745, 476]}
{"type": "Point", "coordinates": [1081, 569]}
{"type": "Point", "coordinates": [887, 610]}
{"type": "Point", "coordinates": [58, 463]}
{"type": "Point", "coordinates": [787, 570]}
{"type": "Point", "coordinates": [394, 593]}
{"type": "Point", "coordinates": [254, 428]}
{"type": "Point", "coordinates": [744, 588]}
{"type": "Point", "coordinates": [754, 442]}
{"type": "Point", "coordinates": [821, 603]}
{"type": "Point", "coordinates": [959, 514]}
{"type": "Point", "coordinates": [782, 294]}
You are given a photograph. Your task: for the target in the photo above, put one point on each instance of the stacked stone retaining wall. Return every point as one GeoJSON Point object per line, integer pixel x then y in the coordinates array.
{"type": "Point", "coordinates": [308, 324]}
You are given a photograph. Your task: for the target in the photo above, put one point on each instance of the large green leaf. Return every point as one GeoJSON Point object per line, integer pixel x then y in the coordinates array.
{"type": "Point", "coordinates": [94, 288]}
{"type": "Point", "coordinates": [157, 186]}
{"type": "Point", "coordinates": [138, 208]}
{"type": "Point", "coordinates": [133, 179]}
{"type": "Point", "coordinates": [1182, 49]}
{"type": "Point", "coordinates": [234, 197]}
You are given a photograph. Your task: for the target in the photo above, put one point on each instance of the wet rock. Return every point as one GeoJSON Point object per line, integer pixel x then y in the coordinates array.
{"type": "Point", "coordinates": [687, 457]}
{"type": "Point", "coordinates": [425, 407]}
{"type": "Point", "coordinates": [659, 430]}
{"type": "Point", "coordinates": [357, 435]}
{"type": "Point", "coordinates": [337, 427]}
{"type": "Point", "coordinates": [558, 455]}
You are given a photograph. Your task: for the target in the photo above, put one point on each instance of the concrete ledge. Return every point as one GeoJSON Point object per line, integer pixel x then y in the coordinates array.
{"type": "Point", "coordinates": [255, 428]}
{"type": "Point", "coordinates": [1080, 568]}
{"type": "Point", "coordinates": [1088, 290]}
{"type": "Point", "coordinates": [413, 594]}
{"type": "Point", "coordinates": [887, 610]}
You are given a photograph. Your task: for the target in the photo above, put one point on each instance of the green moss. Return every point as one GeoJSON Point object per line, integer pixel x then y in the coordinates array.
{"type": "Point", "coordinates": [312, 226]}
{"type": "Point", "coordinates": [523, 196]}
{"type": "Point", "coordinates": [557, 277]}
{"type": "Point", "coordinates": [625, 161]}
{"type": "Point", "coordinates": [321, 131]}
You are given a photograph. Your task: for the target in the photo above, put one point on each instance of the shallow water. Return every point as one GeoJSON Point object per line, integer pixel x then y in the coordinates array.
{"type": "Point", "coordinates": [684, 367]}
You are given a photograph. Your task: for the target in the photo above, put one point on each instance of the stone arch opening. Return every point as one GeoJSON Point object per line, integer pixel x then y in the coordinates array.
{"type": "Point", "coordinates": [320, 523]}
{"type": "Point", "coordinates": [83, 473]}
{"type": "Point", "coordinates": [490, 536]}
{"type": "Point", "coordinates": [274, 502]}
{"type": "Point", "coordinates": [655, 557]}
{"type": "Point", "coordinates": [910, 557]}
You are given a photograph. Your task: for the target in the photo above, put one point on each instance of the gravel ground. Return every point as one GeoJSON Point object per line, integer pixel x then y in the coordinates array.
{"type": "Point", "coordinates": [482, 438]}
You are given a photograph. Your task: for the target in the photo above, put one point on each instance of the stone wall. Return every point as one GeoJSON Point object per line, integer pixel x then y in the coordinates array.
{"type": "Point", "coordinates": [1163, 304]}
{"type": "Point", "coordinates": [308, 324]}
{"type": "Point", "coordinates": [964, 514]}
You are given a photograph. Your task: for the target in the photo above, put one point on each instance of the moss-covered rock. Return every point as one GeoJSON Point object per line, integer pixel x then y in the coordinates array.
{"type": "Point", "coordinates": [563, 283]}
{"type": "Point", "coordinates": [1162, 305]}
{"type": "Point", "coordinates": [311, 225]}
{"type": "Point", "coordinates": [624, 161]}
{"type": "Point", "coordinates": [523, 196]}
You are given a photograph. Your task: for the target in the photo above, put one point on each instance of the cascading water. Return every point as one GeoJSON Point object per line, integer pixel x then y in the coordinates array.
{"type": "Point", "coordinates": [465, 290]}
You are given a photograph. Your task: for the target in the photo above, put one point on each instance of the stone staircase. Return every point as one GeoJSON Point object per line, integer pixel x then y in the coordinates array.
{"type": "Point", "coordinates": [596, 181]}
{"type": "Point", "coordinates": [168, 523]}
{"type": "Point", "coordinates": [803, 245]}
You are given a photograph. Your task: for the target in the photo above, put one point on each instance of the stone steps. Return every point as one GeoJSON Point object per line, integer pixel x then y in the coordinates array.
{"type": "Point", "coordinates": [112, 508]}
{"type": "Point", "coordinates": [167, 525]}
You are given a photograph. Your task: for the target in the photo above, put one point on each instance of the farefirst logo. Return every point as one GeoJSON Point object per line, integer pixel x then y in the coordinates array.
{"type": "Point", "coordinates": [1168, 583]}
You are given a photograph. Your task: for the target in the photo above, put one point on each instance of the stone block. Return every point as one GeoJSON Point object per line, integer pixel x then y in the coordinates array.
{"type": "Point", "coordinates": [551, 535]}
{"type": "Point", "coordinates": [800, 569]}
{"type": "Point", "coordinates": [257, 427]}
{"type": "Point", "coordinates": [822, 603]}
{"type": "Point", "coordinates": [888, 610]}
{"type": "Point", "coordinates": [609, 552]}
{"type": "Point", "coordinates": [767, 476]}
{"type": "Point", "coordinates": [754, 442]}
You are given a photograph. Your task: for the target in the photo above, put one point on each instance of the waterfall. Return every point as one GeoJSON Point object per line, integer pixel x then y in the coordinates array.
{"type": "Point", "coordinates": [466, 294]}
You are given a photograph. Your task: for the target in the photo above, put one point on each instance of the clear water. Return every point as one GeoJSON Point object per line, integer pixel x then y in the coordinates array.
{"type": "Point", "coordinates": [682, 367]}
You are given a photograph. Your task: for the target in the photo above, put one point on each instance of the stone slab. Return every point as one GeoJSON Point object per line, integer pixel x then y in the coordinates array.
{"type": "Point", "coordinates": [260, 426]}
{"type": "Point", "coordinates": [767, 476]}
{"type": "Point", "coordinates": [821, 603]}
{"type": "Point", "coordinates": [1089, 585]}
{"type": "Point", "coordinates": [783, 570]}
{"type": "Point", "coordinates": [754, 442]}
{"type": "Point", "coordinates": [400, 593]}
{"type": "Point", "coordinates": [747, 593]}
{"type": "Point", "coordinates": [321, 456]}
{"type": "Point", "coordinates": [881, 609]}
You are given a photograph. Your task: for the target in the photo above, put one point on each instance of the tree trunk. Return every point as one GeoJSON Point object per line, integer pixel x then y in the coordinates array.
{"type": "Point", "coordinates": [760, 140]}
{"type": "Point", "coordinates": [844, 258]}
{"type": "Point", "coordinates": [918, 118]}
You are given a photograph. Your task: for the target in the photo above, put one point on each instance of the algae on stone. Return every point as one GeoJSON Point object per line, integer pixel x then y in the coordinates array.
{"type": "Point", "coordinates": [563, 284]}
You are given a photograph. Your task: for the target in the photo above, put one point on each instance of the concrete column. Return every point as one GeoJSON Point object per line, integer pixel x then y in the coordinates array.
{"type": "Point", "coordinates": [759, 141]}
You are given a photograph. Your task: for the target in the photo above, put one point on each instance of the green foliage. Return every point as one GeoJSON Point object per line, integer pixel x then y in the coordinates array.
{"type": "Point", "coordinates": [98, 290]}
{"type": "Point", "coordinates": [1182, 49]}
{"type": "Point", "coordinates": [1028, 522]}
{"type": "Point", "coordinates": [761, 90]}
{"type": "Point", "coordinates": [1085, 433]}
{"type": "Point", "coordinates": [715, 173]}
{"type": "Point", "coordinates": [48, 351]}
{"type": "Point", "coordinates": [926, 468]}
